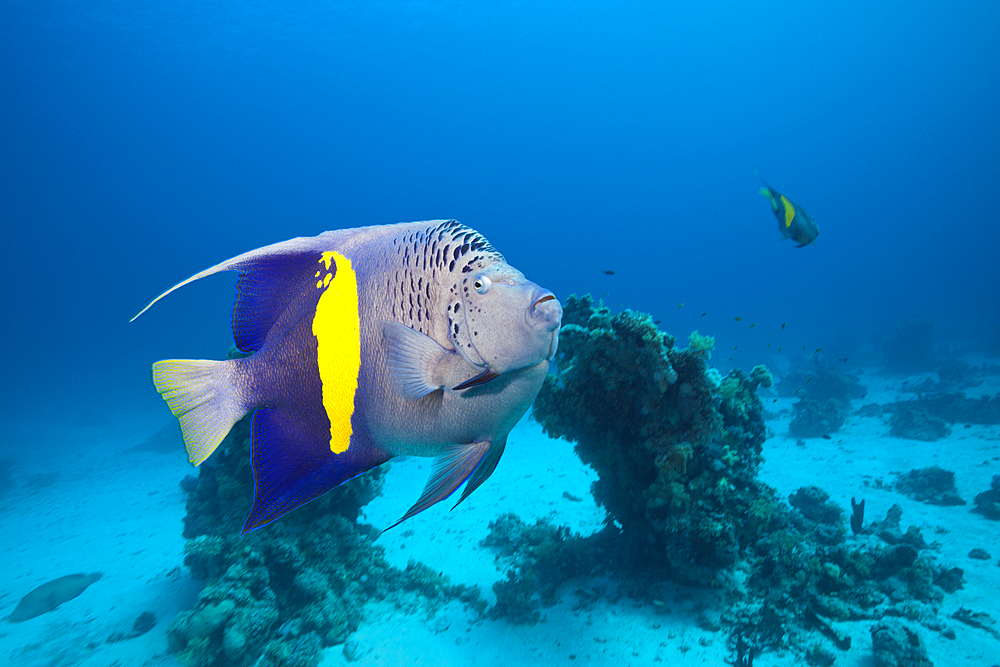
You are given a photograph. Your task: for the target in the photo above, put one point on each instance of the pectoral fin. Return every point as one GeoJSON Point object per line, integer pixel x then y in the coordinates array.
{"type": "Point", "coordinates": [413, 360]}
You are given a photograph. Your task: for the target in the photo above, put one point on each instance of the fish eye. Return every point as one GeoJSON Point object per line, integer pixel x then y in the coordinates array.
{"type": "Point", "coordinates": [482, 284]}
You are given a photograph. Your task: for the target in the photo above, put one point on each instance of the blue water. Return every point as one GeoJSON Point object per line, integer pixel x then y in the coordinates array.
{"type": "Point", "coordinates": [142, 142]}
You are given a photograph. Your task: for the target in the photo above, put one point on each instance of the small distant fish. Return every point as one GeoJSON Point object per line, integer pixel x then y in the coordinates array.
{"type": "Point", "coordinates": [657, 321]}
{"type": "Point", "coordinates": [51, 594]}
{"type": "Point", "coordinates": [779, 349]}
{"type": "Point", "coordinates": [704, 314]}
{"type": "Point", "coordinates": [827, 437]}
{"type": "Point", "coordinates": [842, 359]}
{"type": "Point", "coordinates": [608, 272]}
{"type": "Point", "coordinates": [818, 350]}
{"type": "Point", "coordinates": [738, 318]}
{"type": "Point", "coordinates": [410, 339]}
{"type": "Point", "coordinates": [680, 305]}
{"type": "Point", "coordinates": [752, 325]}
{"type": "Point", "coordinates": [735, 347]}
{"type": "Point", "coordinates": [793, 221]}
{"type": "Point", "coordinates": [784, 324]}
{"type": "Point", "coordinates": [730, 359]}
{"type": "Point", "coordinates": [808, 380]}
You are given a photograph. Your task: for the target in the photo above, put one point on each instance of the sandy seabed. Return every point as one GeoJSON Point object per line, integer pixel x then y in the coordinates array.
{"type": "Point", "coordinates": [97, 502]}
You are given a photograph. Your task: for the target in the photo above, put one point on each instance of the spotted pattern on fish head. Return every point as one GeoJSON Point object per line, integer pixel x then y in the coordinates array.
{"type": "Point", "coordinates": [430, 262]}
{"type": "Point", "coordinates": [510, 323]}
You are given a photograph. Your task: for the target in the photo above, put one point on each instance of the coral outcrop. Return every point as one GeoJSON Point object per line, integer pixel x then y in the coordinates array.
{"type": "Point", "coordinates": [677, 460]}
{"type": "Point", "coordinates": [988, 502]}
{"type": "Point", "coordinates": [279, 594]}
{"type": "Point", "coordinates": [678, 455]}
{"type": "Point", "coordinates": [933, 485]}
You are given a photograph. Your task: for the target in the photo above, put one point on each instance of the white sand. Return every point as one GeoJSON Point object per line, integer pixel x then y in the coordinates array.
{"type": "Point", "coordinates": [119, 512]}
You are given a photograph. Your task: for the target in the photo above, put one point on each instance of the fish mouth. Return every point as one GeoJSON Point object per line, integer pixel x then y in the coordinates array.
{"type": "Point", "coordinates": [545, 311]}
{"type": "Point", "coordinates": [537, 303]}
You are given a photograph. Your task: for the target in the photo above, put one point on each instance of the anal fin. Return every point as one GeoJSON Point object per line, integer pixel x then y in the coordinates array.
{"type": "Point", "coordinates": [484, 469]}
{"type": "Point", "coordinates": [451, 468]}
{"type": "Point", "coordinates": [293, 463]}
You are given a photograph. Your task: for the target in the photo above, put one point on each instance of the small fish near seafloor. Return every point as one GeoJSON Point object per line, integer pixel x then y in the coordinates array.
{"type": "Point", "coordinates": [408, 339]}
{"type": "Point", "coordinates": [793, 221]}
{"type": "Point", "coordinates": [51, 594]}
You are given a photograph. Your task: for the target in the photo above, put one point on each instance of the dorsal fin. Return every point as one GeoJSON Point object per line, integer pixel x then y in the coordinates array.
{"type": "Point", "coordinates": [270, 277]}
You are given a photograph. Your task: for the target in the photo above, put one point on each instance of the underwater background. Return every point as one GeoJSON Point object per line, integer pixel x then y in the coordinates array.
{"type": "Point", "coordinates": [603, 148]}
{"type": "Point", "coordinates": [144, 142]}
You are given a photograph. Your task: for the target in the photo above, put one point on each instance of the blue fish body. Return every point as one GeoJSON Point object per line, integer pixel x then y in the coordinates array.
{"type": "Point", "coordinates": [793, 221]}
{"type": "Point", "coordinates": [365, 344]}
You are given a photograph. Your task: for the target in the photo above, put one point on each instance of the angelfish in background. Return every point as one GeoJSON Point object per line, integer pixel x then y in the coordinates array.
{"type": "Point", "coordinates": [793, 221]}
{"type": "Point", "coordinates": [408, 339]}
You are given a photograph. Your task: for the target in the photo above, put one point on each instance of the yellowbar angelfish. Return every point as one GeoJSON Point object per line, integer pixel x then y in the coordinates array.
{"type": "Point", "coordinates": [793, 221]}
{"type": "Point", "coordinates": [408, 339]}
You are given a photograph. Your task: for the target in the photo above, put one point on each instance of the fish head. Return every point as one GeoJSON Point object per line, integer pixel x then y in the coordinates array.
{"type": "Point", "coordinates": [502, 322]}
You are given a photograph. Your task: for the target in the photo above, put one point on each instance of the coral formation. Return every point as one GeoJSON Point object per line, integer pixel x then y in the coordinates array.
{"type": "Point", "coordinates": [677, 464]}
{"type": "Point", "coordinates": [916, 424]}
{"type": "Point", "coordinates": [824, 400]}
{"type": "Point", "coordinates": [988, 502]}
{"type": "Point", "coordinates": [933, 485]}
{"type": "Point", "coordinates": [813, 418]}
{"type": "Point", "coordinates": [678, 460]}
{"type": "Point", "coordinates": [277, 595]}
{"type": "Point", "coordinates": [936, 411]}
{"type": "Point", "coordinates": [896, 645]}
{"type": "Point", "coordinates": [540, 558]}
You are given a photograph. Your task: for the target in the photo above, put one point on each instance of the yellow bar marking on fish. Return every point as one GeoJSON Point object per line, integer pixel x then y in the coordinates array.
{"type": "Point", "coordinates": [789, 211]}
{"type": "Point", "coordinates": [327, 257]}
{"type": "Point", "coordinates": [336, 326]}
